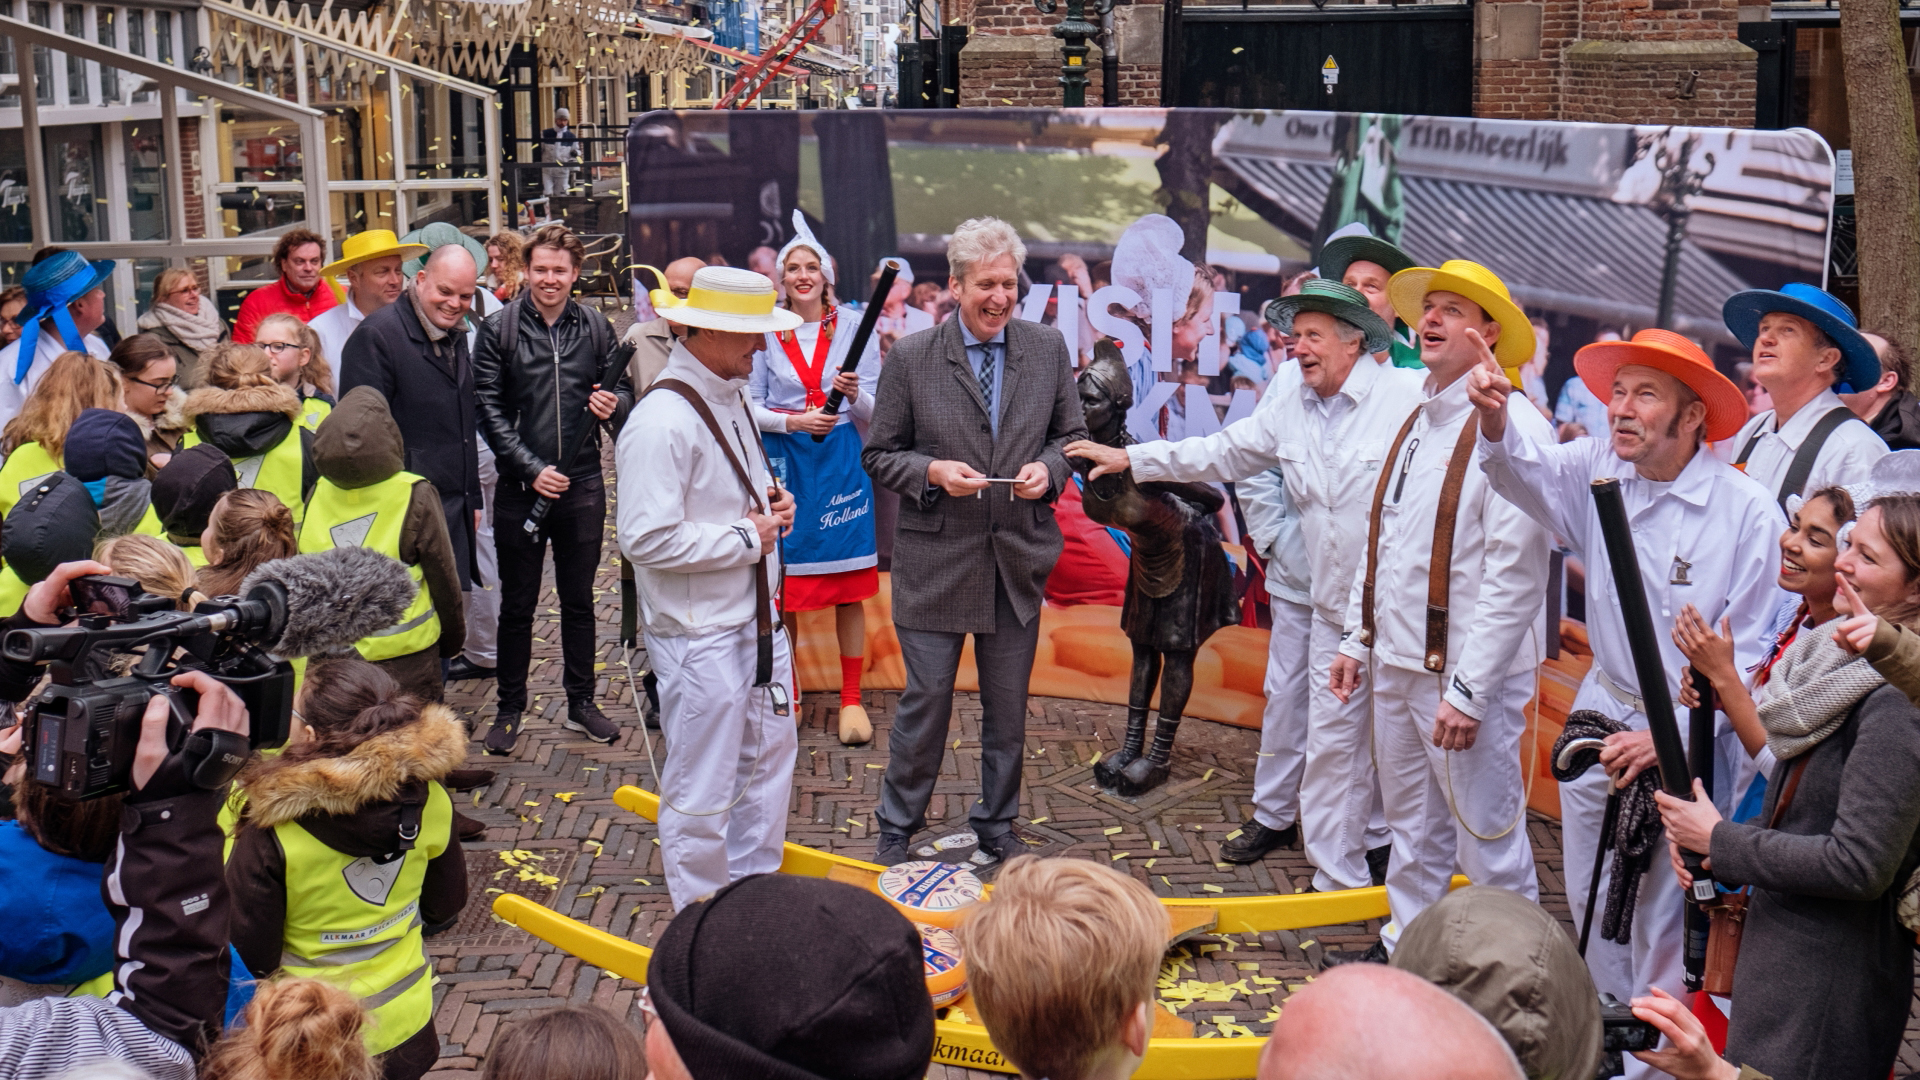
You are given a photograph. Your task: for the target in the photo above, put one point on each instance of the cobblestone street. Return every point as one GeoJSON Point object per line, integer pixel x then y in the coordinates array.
{"type": "Point", "coordinates": [554, 798]}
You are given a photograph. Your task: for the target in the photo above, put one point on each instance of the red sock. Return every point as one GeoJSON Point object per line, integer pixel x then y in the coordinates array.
{"type": "Point", "coordinates": [850, 680]}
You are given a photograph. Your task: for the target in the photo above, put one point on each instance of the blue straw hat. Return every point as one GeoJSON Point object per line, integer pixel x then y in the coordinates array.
{"type": "Point", "coordinates": [1859, 365]}
{"type": "Point", "coordinates": [52, 285]}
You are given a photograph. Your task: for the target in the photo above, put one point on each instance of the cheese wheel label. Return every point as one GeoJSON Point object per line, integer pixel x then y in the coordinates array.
{"type": "Point", "coordinates": [931, 886]}
{"type": "Point", "coordinates": [941, 949]}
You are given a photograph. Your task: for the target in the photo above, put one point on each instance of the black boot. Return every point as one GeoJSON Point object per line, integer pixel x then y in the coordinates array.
{"type": "Point", "coordinates": [1106, 771]}
{"type": "Point", "coordinates": [1145, 774]}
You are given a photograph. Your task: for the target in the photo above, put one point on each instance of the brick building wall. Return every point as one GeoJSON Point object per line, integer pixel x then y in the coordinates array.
{"type": "Point", "coordinates": [1613, 61]}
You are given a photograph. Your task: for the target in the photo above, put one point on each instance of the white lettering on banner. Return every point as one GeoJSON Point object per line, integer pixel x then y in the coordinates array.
{"type": "Point", "coordinates": [1034, 307]}
{"type": "Point", "coordinates": [1066, 319]}
{"type": "Point", "coordinates": [1241, 406]}
{"type": "Point", "coordinates": [1140, 418]}
{"type": "Point", "coordinates": [1225, 306]}
{"type": "Point", "coordinates": [1125, 331]}
{"type": "Point", "coordinates": [1200, 416]}
{"type": "Point", "coordinates": [1162, 325]}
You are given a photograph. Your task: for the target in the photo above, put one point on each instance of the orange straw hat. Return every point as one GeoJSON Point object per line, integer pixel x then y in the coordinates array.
{"type": "Point", "coordinates": [1664, 350]}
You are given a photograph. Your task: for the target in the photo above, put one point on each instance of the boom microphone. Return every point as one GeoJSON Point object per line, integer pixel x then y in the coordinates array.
{"type": "Point", "coordinates": [333, 598]}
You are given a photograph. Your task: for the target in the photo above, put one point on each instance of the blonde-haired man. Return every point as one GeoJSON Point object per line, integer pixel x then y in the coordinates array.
{"type": "Point", "coordinates": [1062, 966]}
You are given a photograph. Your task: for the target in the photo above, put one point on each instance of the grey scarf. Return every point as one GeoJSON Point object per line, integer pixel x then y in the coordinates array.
{"type": "Point", "coordinates": [197, 332]}
{"type": "Point", "coordinates": [1814, 687]}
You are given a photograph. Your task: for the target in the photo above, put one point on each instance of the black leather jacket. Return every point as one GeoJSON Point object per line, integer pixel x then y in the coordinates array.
{"type": "Point", "coordinates": [532, 403]}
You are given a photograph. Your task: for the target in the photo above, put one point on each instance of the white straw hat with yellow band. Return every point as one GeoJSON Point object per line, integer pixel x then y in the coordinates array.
{"type": "Point", "coordinates": [725, 298]}
{"type": "Point", "coordinates": [1408, 290]}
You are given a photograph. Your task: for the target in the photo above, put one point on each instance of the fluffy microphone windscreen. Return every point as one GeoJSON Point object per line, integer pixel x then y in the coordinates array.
{"type": "Point", "coordinates": [335, 598]}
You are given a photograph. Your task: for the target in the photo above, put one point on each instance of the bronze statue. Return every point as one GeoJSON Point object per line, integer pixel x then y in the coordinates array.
{"type": "Point", "coordinates": [1179, 584]}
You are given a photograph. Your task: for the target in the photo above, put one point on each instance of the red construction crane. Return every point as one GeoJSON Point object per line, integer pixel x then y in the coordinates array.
{"type": "Point", "coordinates": [755, 76]}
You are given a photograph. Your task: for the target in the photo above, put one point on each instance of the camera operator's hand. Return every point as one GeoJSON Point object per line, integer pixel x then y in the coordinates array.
{"type": "Point", "coordinates": [1689, 1054]}
{"type": "Point", "coordinates": [45, 599]}
{"type": "Point", "coordinates": [219, 708]}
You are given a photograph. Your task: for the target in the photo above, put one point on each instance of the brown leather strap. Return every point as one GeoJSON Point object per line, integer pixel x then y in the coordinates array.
{"type": "Point", "coordinates": [1373, 530]}
{"type": "Point", "coordinates": [1786, 794]}
{"type": "Point", "coordinates": [1440, 569]}
{"type": "Point", "coordinates": [762, 591]}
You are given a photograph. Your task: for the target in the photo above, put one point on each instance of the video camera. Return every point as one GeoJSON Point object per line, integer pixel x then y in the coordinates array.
{"type": "Point", "coordinates": [82, 733]}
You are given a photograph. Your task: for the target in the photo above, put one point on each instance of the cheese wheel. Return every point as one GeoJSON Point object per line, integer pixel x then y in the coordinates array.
{"type": "Point", "coordinates": [946, 971]}
{"type": "Point", "coordinates": [935, 893]}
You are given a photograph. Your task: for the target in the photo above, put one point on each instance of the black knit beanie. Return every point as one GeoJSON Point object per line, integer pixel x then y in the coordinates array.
{"type": "Point", "coordinates": [186, 488]}
{"type": "Point", "coordinates": [780, 977]}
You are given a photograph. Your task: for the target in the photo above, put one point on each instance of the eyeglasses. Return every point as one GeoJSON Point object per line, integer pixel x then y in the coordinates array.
{"type": "Point", "coordinates": [10, 320]}
{"type": "Point", "coordinates": [277, 347]}
{"type": "Point", "coordinates": [162, 386]}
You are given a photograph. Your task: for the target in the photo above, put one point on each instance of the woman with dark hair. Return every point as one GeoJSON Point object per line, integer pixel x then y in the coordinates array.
{"type": "Point", "coordinates": [151, 394]}
{"type": "Point", "coordinates": [1825, 972]}
{"type": "Point", "coordinates": [346, 850]}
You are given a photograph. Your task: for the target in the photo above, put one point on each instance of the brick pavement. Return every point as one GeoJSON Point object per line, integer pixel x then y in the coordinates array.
{"type": "Point", "coordinates": [554, 798]}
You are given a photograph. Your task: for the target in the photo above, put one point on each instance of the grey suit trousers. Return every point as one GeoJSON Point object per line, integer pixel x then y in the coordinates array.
{"type": "Point", "coordinates": [918, 743]}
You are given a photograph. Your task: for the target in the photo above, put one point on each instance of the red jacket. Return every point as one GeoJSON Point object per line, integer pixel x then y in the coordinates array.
{"type": "Point", "coordinates": [274, 298]}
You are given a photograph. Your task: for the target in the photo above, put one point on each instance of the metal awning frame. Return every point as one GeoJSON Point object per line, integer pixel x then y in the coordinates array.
{"type": "Point", "coordinates": [177, 247]}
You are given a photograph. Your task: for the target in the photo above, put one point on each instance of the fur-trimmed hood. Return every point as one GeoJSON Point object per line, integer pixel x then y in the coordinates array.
{"type": "Point", "coordinates": [246, 422]}
{"type": "Point", "coordinates": [373, 772]}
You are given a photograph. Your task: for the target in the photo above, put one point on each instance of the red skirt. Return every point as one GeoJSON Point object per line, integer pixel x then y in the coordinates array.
{"type": "Point", "coordinates": [812, 592]}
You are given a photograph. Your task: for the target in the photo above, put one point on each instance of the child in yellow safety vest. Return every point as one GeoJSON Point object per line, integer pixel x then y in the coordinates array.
{"type": "Point", "coordinates": [248, 527]}
{"type": "Point", "coordinates": [255, 421]}
{"type": "Point", "coordinates": [366, 498]}
{"type": "Point", "coordinates": [106, 452]}
{"type": "Point", "coordinates": [345, 852]}
{"type": "Point", "coordinates": [299, 362]}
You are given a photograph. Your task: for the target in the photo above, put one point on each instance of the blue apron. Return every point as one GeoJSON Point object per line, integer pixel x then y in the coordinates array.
{"type": "Point", "coordinates": [833, 501]}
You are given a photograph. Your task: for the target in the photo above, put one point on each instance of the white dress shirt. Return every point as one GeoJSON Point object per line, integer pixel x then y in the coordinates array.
{"type": "Point", "coordinates": [682, 509]}
{"type": "Point", "coordinates": [1710, 538]}
{"type": "Point", "coordinates": [1497, 589]}
{"type": "Point", "coordinates": [335, 325]}
{"type": "Point", "coordinates": [1328, 449]}
{"type": "Point", "coordinates": [45, 352]}
{"type": "Point", "coordinates": [1273, 522]}
{"type": "Point", "coordinates": [1846, 458]}
{"type": "Point", "coordinates": [775, 386]}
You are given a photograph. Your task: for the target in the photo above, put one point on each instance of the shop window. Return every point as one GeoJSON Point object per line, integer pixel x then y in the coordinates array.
{"type": "Point", "coordinates": [163, 36]}
{"type": "Point", "coordinates": [145, 273]}
{"type": "Point", "coordinates": [40, 13]}
{"type": "Point", "coordinates": [75, 166]}
{"type": "Point", "coordinates": [446, 136]}
{"type": "Point", "coordinates": [75, 18]}
{"type": "Point", "coordinates": [8, 66]}
{"type": "Point", "coordinates": [1819, 91]}
{"type": "Point", "coordinates": [258, 149]}
{"type": "Point", "coordinates": [146, 180]}
{"type": "Point", "coordinates": [15, 226]}
{"type": "Point", "coordinates": [454, 207]}
{"type": "Point", "coordinates": [105, 34]}
{"type": "Point", "coordinates": [358, 211]}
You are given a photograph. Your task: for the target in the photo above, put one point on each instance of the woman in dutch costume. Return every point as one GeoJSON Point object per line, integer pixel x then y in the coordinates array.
{"type": "Point", "coordinates": [830, 555]}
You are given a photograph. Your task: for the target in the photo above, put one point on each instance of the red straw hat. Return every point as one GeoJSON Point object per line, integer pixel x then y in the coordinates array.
{"type": "Point", "coordinates": [1664, 350]}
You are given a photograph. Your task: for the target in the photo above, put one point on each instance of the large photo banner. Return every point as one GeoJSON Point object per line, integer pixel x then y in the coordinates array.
{"type": "Point", "coordinates": [1168, 231]}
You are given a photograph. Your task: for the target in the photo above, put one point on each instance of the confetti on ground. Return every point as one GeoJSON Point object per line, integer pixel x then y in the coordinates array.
{"type": "Point", "coordinates": [1036, 821]}
{"type": "Point", "coordinates": [1235, 834]}
{"type": "Point", "coordinates": [1120, 856]}
{"type": "Point", "coordinates": [1208, 776]}
{"type": "Point", "coordinates": [1095, 759]}
{"type": "Point", "coordinates": [856, 824]}
{"type": "Point", "coordinates": [565, 796]}
{"type": "Point", "coordinates": [1112, 830]}
{"type": "Point", "coordinates": [1150, 863]}
{"type": "Point", "coordinates": [1309, 943]}
{"type": "Point", "coordinates": [1213, 888]}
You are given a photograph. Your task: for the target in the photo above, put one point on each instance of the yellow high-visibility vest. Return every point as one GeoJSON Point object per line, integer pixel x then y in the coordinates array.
{"type": "Point", "coordinates": [372, 517]}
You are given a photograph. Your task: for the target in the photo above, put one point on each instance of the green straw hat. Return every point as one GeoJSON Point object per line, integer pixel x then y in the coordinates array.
{"type": "Point", "coordinates": [1340, 301]}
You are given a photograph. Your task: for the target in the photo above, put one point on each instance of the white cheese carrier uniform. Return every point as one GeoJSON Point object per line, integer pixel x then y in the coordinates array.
{"type": "Point", "coordinates": [1709, 538]}
{"type": "Point", "coordinates": [682, 523]}
{"type": "Point", "coordinates": [1765, 447]}
{"type": "Point", "coordinates": [1461, 808]}
{"type": "Point", "coordinates": [1329, 451]}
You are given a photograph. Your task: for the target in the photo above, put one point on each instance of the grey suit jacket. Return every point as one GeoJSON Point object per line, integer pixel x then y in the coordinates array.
{"type": "Point", "coordinates": [928, 408]}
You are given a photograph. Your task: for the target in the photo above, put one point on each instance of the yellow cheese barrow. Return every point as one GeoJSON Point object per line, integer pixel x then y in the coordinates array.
{"type": "Point", "coordinates": [1172, 1054]}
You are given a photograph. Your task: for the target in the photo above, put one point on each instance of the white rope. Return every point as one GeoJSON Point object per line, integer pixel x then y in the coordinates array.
{"type": "Point", "coordinates": [635, 686]}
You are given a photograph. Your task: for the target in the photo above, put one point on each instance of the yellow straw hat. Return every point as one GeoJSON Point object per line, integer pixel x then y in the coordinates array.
{"type": "Point", "coordinates": [726, 298]}
{"type": "Point", "coordinates": [1408, 290]}
{"type": "Point", "coordinates": [366, 246]}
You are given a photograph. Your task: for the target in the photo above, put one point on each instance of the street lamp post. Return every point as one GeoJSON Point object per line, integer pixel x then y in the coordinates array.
{"type": "Point", "coordinates": [1679, 183]}
{"type": "Point", "coordinates": [1073, 31]}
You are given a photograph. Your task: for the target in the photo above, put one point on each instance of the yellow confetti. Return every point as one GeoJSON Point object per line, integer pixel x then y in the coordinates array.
{"type": "Point", "coordinates": [1273, 1015]}
{"type": "Point", "coordinates": [1120, 856]}
{"type": "Point", "coordinates": [476, 797]}
{"type": "Point", "coordinates": [531, 802]}
{"type": "Point", "coordinates": [1150, 863]}
{"type": "Point", "coordinates": [1207, 776]}
{"type": "Point", "coordinates": [1112, 830]}
{"type": "Point", "coordinates": [1036, 821]}
{"type": "Point", "coordinates": [1164, 881]}
{"type": "Point", "coordinates": [1213, 888]}
{"type": "Point", "coordinates": [565, 796]}
{"type": "Point", "coordinates": [1156, 845]}
{"type": "Point", "coordinates": [855, 824]}
{"type": "Point", "coordinates": [1095, 760]}
{"type": "Point", "coordinates": [1237, 49]}
{"type": "Point", "coordinates": [1236, 834]}
{"type": "Point", "coordinates": [595, 891]}
{"type": "Point", "coordinates": [876, 766]}
{"type": "Point", "coordinates": [1309, 943]}
{"type": "Point", "coordinates": [1265, 981]}
{"type": "Point", "coordinates": [492, 889]}
{"type": "Point", "coordinates": [643, 881]}
{"type": "Point", "coordinates": [1247, 966]}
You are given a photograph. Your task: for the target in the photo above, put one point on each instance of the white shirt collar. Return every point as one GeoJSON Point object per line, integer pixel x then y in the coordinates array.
{"type": "Point", "coordinates": [1795, 431]}
{"type": "Point", "coordinates": [683, 365]}
{"type": "Point", "coordinates": [966, 334]}
{"type": "Point", "coordinates": [1360, 381]}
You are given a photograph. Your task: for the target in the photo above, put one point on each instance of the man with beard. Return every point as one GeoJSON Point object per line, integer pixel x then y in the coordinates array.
{"type": "Point", "coordinates": [371, 260]}
{"type": "Point", "coordinates": [1705, 535]}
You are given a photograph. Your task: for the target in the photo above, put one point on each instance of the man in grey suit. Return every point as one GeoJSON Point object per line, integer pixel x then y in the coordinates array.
{"type": "Point", "coordinates": [981, 397]}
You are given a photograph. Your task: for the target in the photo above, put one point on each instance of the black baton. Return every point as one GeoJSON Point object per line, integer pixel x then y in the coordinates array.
{"type": "Point", "coordinates": [1700, 761]}
{"type": "Point", "coordinates": [862, 335]}
{"type": "Point", "coordinates": [1647, 663]}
